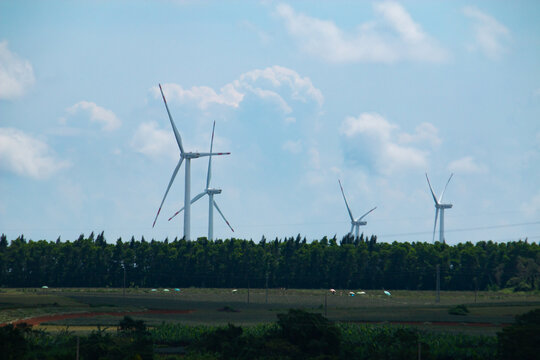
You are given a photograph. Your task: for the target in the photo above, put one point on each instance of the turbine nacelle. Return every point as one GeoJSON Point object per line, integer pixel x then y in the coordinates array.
{"type": "Point", "coordinates": [359, 223]}
{"type": "Point", "coordinates": [443, 206]}
{"type": "Point", "coordinates": [213, 191]}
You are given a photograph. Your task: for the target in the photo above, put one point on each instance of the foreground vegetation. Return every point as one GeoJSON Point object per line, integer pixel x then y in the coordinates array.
{"type": "Point", "coordinates": [360, 263]}
{"type": "Point", "coordinates": [296, 335]}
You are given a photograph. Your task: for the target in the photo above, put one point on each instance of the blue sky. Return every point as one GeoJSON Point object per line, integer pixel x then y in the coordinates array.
{"type": "Point", "coordinates": [303, 94]}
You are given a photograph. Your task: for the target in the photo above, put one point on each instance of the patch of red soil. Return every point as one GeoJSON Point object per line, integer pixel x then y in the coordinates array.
{"type": "Point", "coordinates": [41, 319]}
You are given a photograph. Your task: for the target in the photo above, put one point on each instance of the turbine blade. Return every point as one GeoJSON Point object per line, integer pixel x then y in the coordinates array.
{"type": "Point", "coordinates": [209, 174]}
{"type": "Point", "coordinates": [197, 197]}
{"type": "Point", "coordinates": [430, 188]}
{"type": "Point", "coordinates": [168, 188]}
{"type": "Point", "coordinates": [176, 133]}
{"type": "Point", "coordinates": [363, 216]}
{"type": "Point", "coordinates": [223, 216]}
{"type": "Point", "coordinates": [191, 202]}
{"type": "Point", "coordinates": [435, 223]}
{"type": "Point", "coordinates": [346, 204]}
{"type": "Point", "coordinates": [208, 154]}
{"type": "Point", "coordinates": [176, 213]}
{"type": "Point", "coordinates": [440, 199]}
{"type": "Point", "coordinates": [352, 228]}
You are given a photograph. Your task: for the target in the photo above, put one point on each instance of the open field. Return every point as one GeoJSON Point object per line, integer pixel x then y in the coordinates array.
{"type": "Point", "coordinates": [193, 306]}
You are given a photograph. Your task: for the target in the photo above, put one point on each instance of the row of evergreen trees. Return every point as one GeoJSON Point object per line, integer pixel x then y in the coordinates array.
{"type": "Point", "coordinates": [351, 263]}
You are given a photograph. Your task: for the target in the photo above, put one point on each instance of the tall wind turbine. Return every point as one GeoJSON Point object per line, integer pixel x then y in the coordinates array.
{"type": "Point", "coordinates": [355, 224]}
{"type": "Point", "coordinates": [439, 206]}
{"type": "Point", "coordinates": [187, 156]}
{"type": "Point", "coordinates": [210, 192]}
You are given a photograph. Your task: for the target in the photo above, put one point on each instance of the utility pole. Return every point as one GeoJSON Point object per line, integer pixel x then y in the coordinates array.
{"type": "Point", "coordinates": [325, 304]}
{"type": "Point", "coordinates": [248, 292]}
{"type": "Point", "coordinates": [124, 289]}
{"type": "Point", "coordinates": [438, 285]}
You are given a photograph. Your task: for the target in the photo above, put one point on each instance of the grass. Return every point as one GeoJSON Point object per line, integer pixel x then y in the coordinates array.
{"type": "Point", "coordinates": [495, 308]}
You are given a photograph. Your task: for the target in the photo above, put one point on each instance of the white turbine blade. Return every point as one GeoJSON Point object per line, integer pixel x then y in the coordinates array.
{"type": "Point", "coordinates": [435, 223]}
{"type": "Point", "coordinates": [212, 154]}
{"type": "Point", "coordinates": [176, 133]}
{"type": "Point", "coordinates": [430, 188]}
{"type": "Point", "coordinates": [191, 202]}
{"type": "Point", "coordinates": [168, 187]}
{"type": "Point", "coordinates": [442, 194]}
{"type": "Point", "coordinates": [176, 213]}
{"type": "Point", "coordinates": [363, 216]}
{"type": "Point", "coordinates": [197, 197]}
{"type": "Point", "coordinates": [209, 174]}
{"type": "Point", "coordinates": [346, 204]}
{"type": "Point", "coordinates": [223, 216]}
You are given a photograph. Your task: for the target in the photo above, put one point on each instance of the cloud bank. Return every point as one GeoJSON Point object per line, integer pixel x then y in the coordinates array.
{"type": "Point", "coordinates": [98, 114]}
{"type": "Point", "coordinates": [489, 33]}
{"type": "Point", "coordinates": [16, 74]}
{"type": "Point", "coordinates": [393, 37]}
{"type": "Point", "coordinates": [26, 156]}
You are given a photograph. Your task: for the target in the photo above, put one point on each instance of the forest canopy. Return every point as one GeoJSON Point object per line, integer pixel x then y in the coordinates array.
{"type": "Point", "coordinates": [361, 263]}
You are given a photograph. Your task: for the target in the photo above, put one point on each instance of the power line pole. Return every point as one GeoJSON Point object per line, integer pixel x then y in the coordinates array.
{"type": "Point", "coordinates": [267, 287]}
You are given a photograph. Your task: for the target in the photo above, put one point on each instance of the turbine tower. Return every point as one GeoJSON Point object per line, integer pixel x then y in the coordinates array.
{"type": "Point", "coordinates": [355, 224]}
{"type": "Point", "coordinates": [210, 192]}
{"type": "Point", "coordinates": [187, 156]}
{"type": "Point", "coordinates": [439, 206]}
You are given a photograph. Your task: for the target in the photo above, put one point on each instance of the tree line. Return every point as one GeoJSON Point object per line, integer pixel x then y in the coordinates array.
{"type": "Point", "coordinates": [361, 263]}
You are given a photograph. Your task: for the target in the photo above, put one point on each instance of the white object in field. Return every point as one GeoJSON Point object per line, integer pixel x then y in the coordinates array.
{"type": "Point", "coordinates": [351, 293]}
{"type": "Point", "coordinates": [166, 290]}
{"type": "Point", "coordinates": [153, 290]}
{"type": "Point", "coordinates": [234, 291]}
{"type": "Point", "coordinates": [355, 224]}
{"type": "Point", "coordinates": [333, 291]}
{"type": "Point", "coordinates": [44, 287]}
{"type": "Point", "coordinates": [361, 292]}
{"type": "Point", "coordinates": [210, 192]}
{"type": "Point", "coordinates": [187, 156]}
{"type": "Point", "coordinates": [439, 206]}
{"type": "Point", "coordinates": [387, 293]}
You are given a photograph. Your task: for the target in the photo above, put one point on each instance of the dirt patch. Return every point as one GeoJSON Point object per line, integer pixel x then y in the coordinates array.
{"type": "Point", "coordinates": [48, 318]}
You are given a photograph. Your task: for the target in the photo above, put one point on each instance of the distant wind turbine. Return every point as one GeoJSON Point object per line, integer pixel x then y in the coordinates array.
{"type": "Point", "coordinates": [187, 156]}
{"type": "Point", "coordinates": [210, 192]}
{"type": "Point", "coordinates": [439, 206]}
{"type": "Point", "coordinates": [355, 224]}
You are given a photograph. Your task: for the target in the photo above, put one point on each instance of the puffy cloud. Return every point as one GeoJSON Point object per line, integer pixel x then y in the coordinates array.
{"type": "Point", "coordinates": [394, 37]}
{"type": "Point", "coordinates": [466, 165]}
{"type": "Point", "coordinates": [378, 141]}
{"type": "Point", "coordinates": [97, 114]}
{"type": "Point", "coordinates": [152, 141]}
{"type": "Point", "coordinates": [263, 83]}
{"type": "Point", "coordinates": [26, 156]}
{"type": "Point", "coordinates": [489, 33]}
{"type": "Point", "coordinates": [16, 74]}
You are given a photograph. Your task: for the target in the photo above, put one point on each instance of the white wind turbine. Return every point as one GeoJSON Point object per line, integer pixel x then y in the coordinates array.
{"type": "Point", "coordinates": [210, 192]}
{"type": "Point", "coordinates": [355, 224]}
{"type": "Point", "coordinates": [187, 156]}
{"type": "Point", "coordinates": [439, 206]}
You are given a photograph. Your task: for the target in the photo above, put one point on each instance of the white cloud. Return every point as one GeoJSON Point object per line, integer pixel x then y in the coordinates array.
{"type": "Point", "coordinates": [16, 75]}
{"type": "Point", "coordinates": [26, 156]}
{"type": "Point", "coordinates": [424, 132]}
{"type": "Point", "coordinates": [394, 37]}
{"type": "Point", "coordinates": [382, 144]}
{"type": "Point", "coordinates": [261, 83]}
{"type": "Point", "coordinates": [97, 114]}
{"type": "Point", "coordinates": [294, 147]}
{"type": "Point", "coordinates": [152, 141]}
{"type": "Point", "coordinates": [489, 33]}
{"type": "Point", "coordinates": [466, 165]}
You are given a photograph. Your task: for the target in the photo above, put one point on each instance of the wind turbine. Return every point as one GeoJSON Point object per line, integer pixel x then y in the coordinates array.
{"type": "Point", "coordinates": [439, 206]}
{"type": "Point", "coordinates": [210, 192]}
{"type": "Point", "coordinates": [187, 156]}
{"type": "Point", "coordinates": [355, 224]}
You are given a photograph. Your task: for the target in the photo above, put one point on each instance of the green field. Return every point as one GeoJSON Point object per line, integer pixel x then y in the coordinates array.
{"type": "Point", "coordinates": [488, 311]}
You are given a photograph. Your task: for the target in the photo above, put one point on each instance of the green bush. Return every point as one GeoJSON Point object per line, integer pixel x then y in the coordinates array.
{"type": "Point", "coordinates": [522, 339]}
{"type": "Point", "coordinates": [458, 310]}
